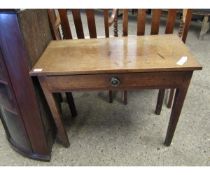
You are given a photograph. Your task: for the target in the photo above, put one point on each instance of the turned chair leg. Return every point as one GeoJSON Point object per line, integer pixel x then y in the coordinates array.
{"type": "Point", "coordinates": [110, 97]}
{"type": "Point", "coordinates": [71, 104]}
{"type": "Point", "coordinates": [159, 105]}
{"type": "Point", "coordinates": [125, 97]}
{"type": "Point", "coordinates": [170, 99]}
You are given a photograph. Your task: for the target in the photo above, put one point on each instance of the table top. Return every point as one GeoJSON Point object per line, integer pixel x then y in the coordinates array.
{"type": "Point", "coordinates": [116, 55]}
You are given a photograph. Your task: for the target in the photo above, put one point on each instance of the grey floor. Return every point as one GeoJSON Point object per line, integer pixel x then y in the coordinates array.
{"type": "Point", "coordinates": [115, 134]}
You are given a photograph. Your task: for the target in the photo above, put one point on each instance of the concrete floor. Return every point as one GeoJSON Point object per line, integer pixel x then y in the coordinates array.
{"type": "Point", "coordinates": [115, 134]}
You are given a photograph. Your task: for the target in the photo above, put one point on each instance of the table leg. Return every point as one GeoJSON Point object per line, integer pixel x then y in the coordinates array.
{"type": "Point", "coordinates": [61, 132]}
{"type": "Point", "coordinates": [175, 113]}
{"type": "Point", "coordinates": [159, 105]}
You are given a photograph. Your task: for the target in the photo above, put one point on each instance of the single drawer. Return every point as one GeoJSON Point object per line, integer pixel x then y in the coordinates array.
{"type": "Point", "coordinates": [116, 81]}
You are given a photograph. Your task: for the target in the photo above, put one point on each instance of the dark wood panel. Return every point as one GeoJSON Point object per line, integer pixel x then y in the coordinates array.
{"type": "Point", "coordinates": [36, 37]}
{"type": "Point", "coordinates": [19, 74]}
{"type": "Point", "coordinates": [3, 74]}
{"type": "Point", "coordinates": [16, 130]}
{"type": "Point", "coordinates": [10, 116]}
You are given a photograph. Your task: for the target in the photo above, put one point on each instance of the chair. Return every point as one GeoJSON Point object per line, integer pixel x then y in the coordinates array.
{"type": "Point", "coordinates": [183, 31]}
{"type": "Point", "coordinates": [61, 29]}
{"type": "Point", "coordinates": [204, 16]}
{"type": "Point", "coordinates": [54, 26]}
{"type": "Point", "coordinates": [141, 17]}
{"type": "Point", "coordinates": [156, 14]}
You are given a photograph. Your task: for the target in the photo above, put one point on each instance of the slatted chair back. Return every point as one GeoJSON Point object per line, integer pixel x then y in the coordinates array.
{"type": "Point", "coordinates": [91, 24]}
{"type": "Point", "coordinates": [155, 23]}
{"type": "Point", "coordinates": [54, 24]}
{"type": "Point", "coordinates": [63, 21]}
{"type": "Point", "coordinates": [141, 21]}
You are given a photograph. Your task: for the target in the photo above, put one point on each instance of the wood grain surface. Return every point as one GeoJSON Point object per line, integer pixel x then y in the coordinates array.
{"type": "Point", "coordinates": [111, 55]}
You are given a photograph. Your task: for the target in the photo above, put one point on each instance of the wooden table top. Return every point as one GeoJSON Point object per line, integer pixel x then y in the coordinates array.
{"type": "Point", "coordinates": [116, 55]}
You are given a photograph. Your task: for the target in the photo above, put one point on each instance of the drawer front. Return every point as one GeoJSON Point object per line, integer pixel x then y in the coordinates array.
{"type": "Point", "coordinates": [117, 81]}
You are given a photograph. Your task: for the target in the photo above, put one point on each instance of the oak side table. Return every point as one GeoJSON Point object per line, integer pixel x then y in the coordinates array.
{"type": "Point", "coordinates": [133, 62]}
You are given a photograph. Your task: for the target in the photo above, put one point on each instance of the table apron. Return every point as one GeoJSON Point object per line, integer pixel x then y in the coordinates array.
{"type": "Point", "coordinates": [154, 80]}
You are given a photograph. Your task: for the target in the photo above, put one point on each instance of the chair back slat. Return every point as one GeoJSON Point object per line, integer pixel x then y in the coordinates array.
{"type": "Point", "coordinates": [155, 21]}
{"type": "Point", "coordinates": [187, 21]}
{"type": "Point", "coordinates": [54, 24]}
{"type": "Point", "coordinates": [141, 21]}
{"type": "Point", "coordinates": [91, 23]}
{"type": "Point", "coordinates": [125, 22]}
{"type": "Point", "coordinates": [65, 24]}
{"type": "Point", "coordinates": [78, 23]}
{"type": "Point", "coordinates": [170, 21]}
{"type": "Point", "coordinates": [115, 27]}
{"type": "Point", "coordinates": [106, 22]}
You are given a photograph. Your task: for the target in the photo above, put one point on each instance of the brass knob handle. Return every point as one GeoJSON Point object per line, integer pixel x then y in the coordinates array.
{"type": "Point", "coordinates": [115, 81]}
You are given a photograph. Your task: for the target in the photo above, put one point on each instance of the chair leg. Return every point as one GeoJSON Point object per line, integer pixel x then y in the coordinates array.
{"type": "Point", "coordinates": [110, 97]}
{"type": "Point", "coordinates": [71, 104]}
{"type": "Point", "coordinates": [159, 105]}
{"type": "Point", "coordinates": [170, 99]}
{"type": "Point", "coordinates": [205, 27]}
{"type": "Point", "coordinates": [58, 98]}
{"type": "Point", "coordinates": [125, 97]}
